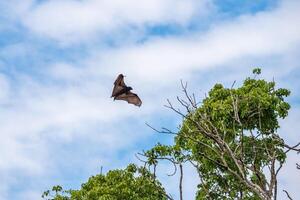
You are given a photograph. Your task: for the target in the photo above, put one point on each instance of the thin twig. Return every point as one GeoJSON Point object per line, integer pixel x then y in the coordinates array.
{"type": "Point", "coordinates": [180, 181]}
{"type": "Point", "coordinates": [294, 148]}
{"type": "Point", "coordinates": [288, 195]}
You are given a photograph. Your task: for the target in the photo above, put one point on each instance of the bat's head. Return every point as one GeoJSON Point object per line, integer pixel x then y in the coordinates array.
{"type": "Point", "coordinates": [129, 88]}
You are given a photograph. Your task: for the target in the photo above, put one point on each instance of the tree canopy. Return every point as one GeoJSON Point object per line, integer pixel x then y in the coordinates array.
{"type": "Point", "coordinates": [232, 137]}
{"type": "Point", "coordinates": [132, 183]}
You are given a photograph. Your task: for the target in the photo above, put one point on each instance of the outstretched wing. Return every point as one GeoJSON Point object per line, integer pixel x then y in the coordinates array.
{"type": "Point", "coordinates": [120, 80]}
{"type": "Point", "coordinates": [130, 97]}
{"type": "Point", "coordinates": [118, 85]}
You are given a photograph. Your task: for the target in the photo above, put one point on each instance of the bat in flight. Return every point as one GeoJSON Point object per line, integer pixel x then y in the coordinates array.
{"type": "Point", "coordinates": [122, 92]}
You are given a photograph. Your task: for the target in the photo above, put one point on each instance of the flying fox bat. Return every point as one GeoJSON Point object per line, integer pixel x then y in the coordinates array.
{"type": "Point", "coordinates": [122, 92]}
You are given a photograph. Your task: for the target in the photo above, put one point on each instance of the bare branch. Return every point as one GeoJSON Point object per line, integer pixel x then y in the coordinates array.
{"type": "Point", "coordinates": [233, 84]}
{"type": "Point", "coordinates": [180, 181]}
{"type": "Point", "coordinates": [164, 130]}
{"type": "Point", "coordinates": [288, 195]}
{"type": "Point", "coordinates": [170, 106]}
{"type": "Point", "coordinates": [294, 148]}
{"type": "Point", "coordinates": [143, 161]}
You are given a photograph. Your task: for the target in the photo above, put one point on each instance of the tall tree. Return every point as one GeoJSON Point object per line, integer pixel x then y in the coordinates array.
{"type": "Point", "coordinates": [231, 139]}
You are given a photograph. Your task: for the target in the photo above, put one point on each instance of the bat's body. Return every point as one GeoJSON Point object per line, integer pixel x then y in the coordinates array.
{"type": "Point", "coordinates": [122, 92]}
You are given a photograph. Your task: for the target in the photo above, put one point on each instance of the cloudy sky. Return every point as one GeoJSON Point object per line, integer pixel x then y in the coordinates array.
{"type": "Point", "coordinates": [59, 58]}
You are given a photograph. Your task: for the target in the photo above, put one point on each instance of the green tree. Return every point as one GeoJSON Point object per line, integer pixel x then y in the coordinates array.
{"type": "Point", "coordinates": [132, 183]}
{"type": "Point", "coordinates": [231, 139]}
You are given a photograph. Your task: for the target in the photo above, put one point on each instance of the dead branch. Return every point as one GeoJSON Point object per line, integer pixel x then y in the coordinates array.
{"type": "Point", "coordinates": [288, 195]}
{"type": "Point", "coordinates": [294, 148]}
{"type": "Point", "coordinates": [180, 181]}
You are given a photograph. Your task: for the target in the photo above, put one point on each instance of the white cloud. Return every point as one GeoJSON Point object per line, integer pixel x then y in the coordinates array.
{"type": "Point", "coordinates": [70, 21]}
{"type": "Point", "coordinates": [5, 88]}
{"type": "Point", "coordinates": [264, 34]}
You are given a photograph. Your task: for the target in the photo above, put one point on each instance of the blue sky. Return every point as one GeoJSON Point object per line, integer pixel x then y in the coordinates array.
{"type": "Point", "coordinates": [59, 58]}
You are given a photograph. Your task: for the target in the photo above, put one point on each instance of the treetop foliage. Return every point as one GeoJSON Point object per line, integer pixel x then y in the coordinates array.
{"type": "Point", "coordinates": [132, 183]}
